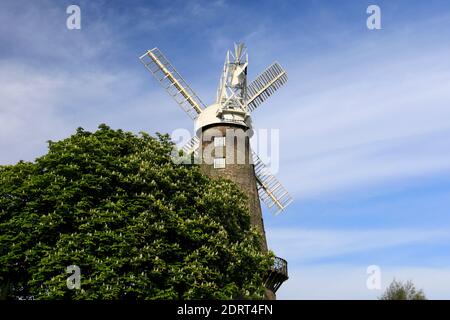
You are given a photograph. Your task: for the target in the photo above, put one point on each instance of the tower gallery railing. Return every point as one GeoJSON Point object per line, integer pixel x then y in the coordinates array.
{"type": "Point", "coordinates": [277, 274]}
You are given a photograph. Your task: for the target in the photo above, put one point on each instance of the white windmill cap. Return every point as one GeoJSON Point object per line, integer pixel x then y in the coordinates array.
{"type": "Point", "coordinates": [216, 115]}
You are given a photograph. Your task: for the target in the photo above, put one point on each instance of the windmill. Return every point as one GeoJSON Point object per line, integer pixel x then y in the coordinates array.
{"type": "Point", "coordinates": [223, 130]}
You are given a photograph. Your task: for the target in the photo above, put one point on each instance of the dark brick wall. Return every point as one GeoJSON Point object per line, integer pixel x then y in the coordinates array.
{"type": "Point", "coordinates": [241, 172]}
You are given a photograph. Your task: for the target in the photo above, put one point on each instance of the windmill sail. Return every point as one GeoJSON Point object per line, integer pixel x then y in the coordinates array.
{"type": "Point", "coordinates": [172, 81]}
{"type": "Point", "coordinates": [191, 146]}
{"type": "Point", "coordinates": [265, 85]}
{"type": "Point", "coordinates": [270, 190]}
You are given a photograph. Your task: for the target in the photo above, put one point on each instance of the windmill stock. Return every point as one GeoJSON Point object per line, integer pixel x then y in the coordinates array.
{"type": "Point", "coordinates": [223, 131]}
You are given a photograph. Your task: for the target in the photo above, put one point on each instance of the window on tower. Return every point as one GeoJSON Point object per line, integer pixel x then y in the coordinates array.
{"type": "Point", "coordinates": [219, 141]}
{"type": "Point", "coordinates": [219, 163]}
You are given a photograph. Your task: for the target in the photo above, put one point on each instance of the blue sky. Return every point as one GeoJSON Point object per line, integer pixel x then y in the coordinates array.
{"type": "Point", "coordinates": [364, 119]}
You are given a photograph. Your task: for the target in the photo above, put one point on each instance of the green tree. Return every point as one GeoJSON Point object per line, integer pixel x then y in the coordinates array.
{"type": "Point", "coordinates": [137, 225]}
{"type": "Point", "coordinates": [398, 290]}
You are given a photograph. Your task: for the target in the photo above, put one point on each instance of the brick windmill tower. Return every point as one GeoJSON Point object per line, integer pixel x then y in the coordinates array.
{"type": "Point", "coordinates": [223, 131]}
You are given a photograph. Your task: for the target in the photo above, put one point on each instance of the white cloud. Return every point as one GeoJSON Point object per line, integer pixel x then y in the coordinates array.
{"type": "Point", "coordinates": [38, 106]}
{"type": "Point", "coordinates": [344, 282]}
{"type": "Point", "coordinates": [311, 279]}
{"type": "Point", "coordinates": [58, 80]}
{"type": "Point", "coordinates": [27, 113]}
{"type": "Point", "coordinates": [38, 31]}
{"type": "Point", "coordinates": [306, 245]}
{"type": "Point", "coordinates": [367, 115]}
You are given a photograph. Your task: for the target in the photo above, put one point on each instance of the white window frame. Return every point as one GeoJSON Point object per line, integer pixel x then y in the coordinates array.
{"type": "Point", "coordinates": [219, 163]}
{"type": "Point", "coordinates": [219, 142]}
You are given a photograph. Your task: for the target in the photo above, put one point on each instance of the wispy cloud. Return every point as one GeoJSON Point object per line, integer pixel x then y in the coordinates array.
{"type": "Point", "coordinates": [309, 245]}
{"type": "Point", "coordinates": [35, 107]}
{"type": "Point", "coordinates": [343, 282]}
{"type": "Point", "coordinates": [55, 80]}
{"type": "Point", "coordinates": [363, 116]}
{"type": "Point", "coordinates": [39, 106]}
